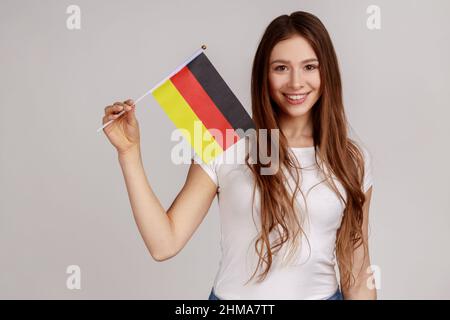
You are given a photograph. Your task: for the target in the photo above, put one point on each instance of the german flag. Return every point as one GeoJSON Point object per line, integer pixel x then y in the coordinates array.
{"type": "Point", "coordinates": [197, 99]}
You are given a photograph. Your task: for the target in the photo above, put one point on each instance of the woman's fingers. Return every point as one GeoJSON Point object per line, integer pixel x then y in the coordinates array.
{"type": "Point", "coordinates": [126, 107]}
{"type": "Point", "coordinates": [106, 119]}
{"type": "Point", "coordinates": [111, 116]}
{"type": "Point", "coordinates": [113, 111]}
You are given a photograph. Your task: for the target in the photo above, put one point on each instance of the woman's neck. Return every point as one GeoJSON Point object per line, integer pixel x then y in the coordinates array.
{"type": "Point", "coordinates": [297, 130]}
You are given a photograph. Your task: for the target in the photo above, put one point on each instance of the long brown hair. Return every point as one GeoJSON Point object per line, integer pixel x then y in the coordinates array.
{"type": "Point", "coordinates": [337, 153]}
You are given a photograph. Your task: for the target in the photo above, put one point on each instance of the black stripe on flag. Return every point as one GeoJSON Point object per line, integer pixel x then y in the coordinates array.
{"type": "Point", "coordinates": [220, 93]}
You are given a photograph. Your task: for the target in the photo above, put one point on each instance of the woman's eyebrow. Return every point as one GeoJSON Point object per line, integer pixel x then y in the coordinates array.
{"type": "Point", "coordinates": [287, 62]}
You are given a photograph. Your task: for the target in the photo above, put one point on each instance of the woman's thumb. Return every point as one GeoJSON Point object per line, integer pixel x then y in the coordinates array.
{"type": "Point", "coordinates": [131, 116]}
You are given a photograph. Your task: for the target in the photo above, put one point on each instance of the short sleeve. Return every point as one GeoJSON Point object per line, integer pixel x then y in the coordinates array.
{"type": "Point", "coordinates": [368, 169]}
{"type": "Point", "coordinates": [209, 168]}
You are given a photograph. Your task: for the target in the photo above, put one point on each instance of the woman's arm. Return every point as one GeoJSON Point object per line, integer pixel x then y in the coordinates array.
{"type": "Point", "coordinates": [166, 233]}
{"type": "Point", "coordinates": [361, 264]}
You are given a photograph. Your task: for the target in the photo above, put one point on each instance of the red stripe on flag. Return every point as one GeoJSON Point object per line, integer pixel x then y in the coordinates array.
{"type": "Point", "coordinates": [202, 105]}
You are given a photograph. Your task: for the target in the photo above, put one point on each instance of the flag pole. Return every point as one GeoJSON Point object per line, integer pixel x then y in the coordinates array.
{"type": "Point", "coordinates": [181, 66]}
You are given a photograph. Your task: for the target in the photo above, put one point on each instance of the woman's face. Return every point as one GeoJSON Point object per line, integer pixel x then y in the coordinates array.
{"type": "Point", "coordinates": [294, 78]}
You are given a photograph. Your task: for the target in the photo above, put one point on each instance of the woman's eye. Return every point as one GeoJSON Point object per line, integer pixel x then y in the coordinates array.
{"type": "Point", "coordinates": [310, 67]}
{"type": "Point", "coordinates": [280, 68]}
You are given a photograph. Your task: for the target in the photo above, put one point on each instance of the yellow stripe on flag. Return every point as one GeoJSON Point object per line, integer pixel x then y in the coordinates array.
{"type": "Point", "coordinates": [181, 114]}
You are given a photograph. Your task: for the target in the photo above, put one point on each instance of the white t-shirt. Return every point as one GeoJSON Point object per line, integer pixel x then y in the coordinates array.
{"type": "Point", "coordinates": [311, 275]}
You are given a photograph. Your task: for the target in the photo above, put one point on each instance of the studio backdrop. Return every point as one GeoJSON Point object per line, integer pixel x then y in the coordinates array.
{"type": "Point", "coordinates": [64, 209]}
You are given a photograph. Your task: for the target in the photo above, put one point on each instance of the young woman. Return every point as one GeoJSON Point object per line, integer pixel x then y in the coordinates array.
{"type": "Point", "coordinates": [288, 227]}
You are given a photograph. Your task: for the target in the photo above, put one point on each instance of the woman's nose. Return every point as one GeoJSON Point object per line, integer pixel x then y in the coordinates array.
{"type": "Point", "coordinates": [295, 80]}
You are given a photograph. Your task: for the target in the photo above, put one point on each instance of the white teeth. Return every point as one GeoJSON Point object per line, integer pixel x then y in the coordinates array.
{"type": "Point", "coordinates": [296, 97]}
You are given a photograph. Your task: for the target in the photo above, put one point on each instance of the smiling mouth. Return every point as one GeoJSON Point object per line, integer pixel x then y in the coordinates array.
{"type": "Point", "coordinates": [296, 98]}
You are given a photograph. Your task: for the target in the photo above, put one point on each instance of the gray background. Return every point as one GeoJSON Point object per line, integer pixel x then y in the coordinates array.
{"type": "Point", "coordinates": [63, 197]}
